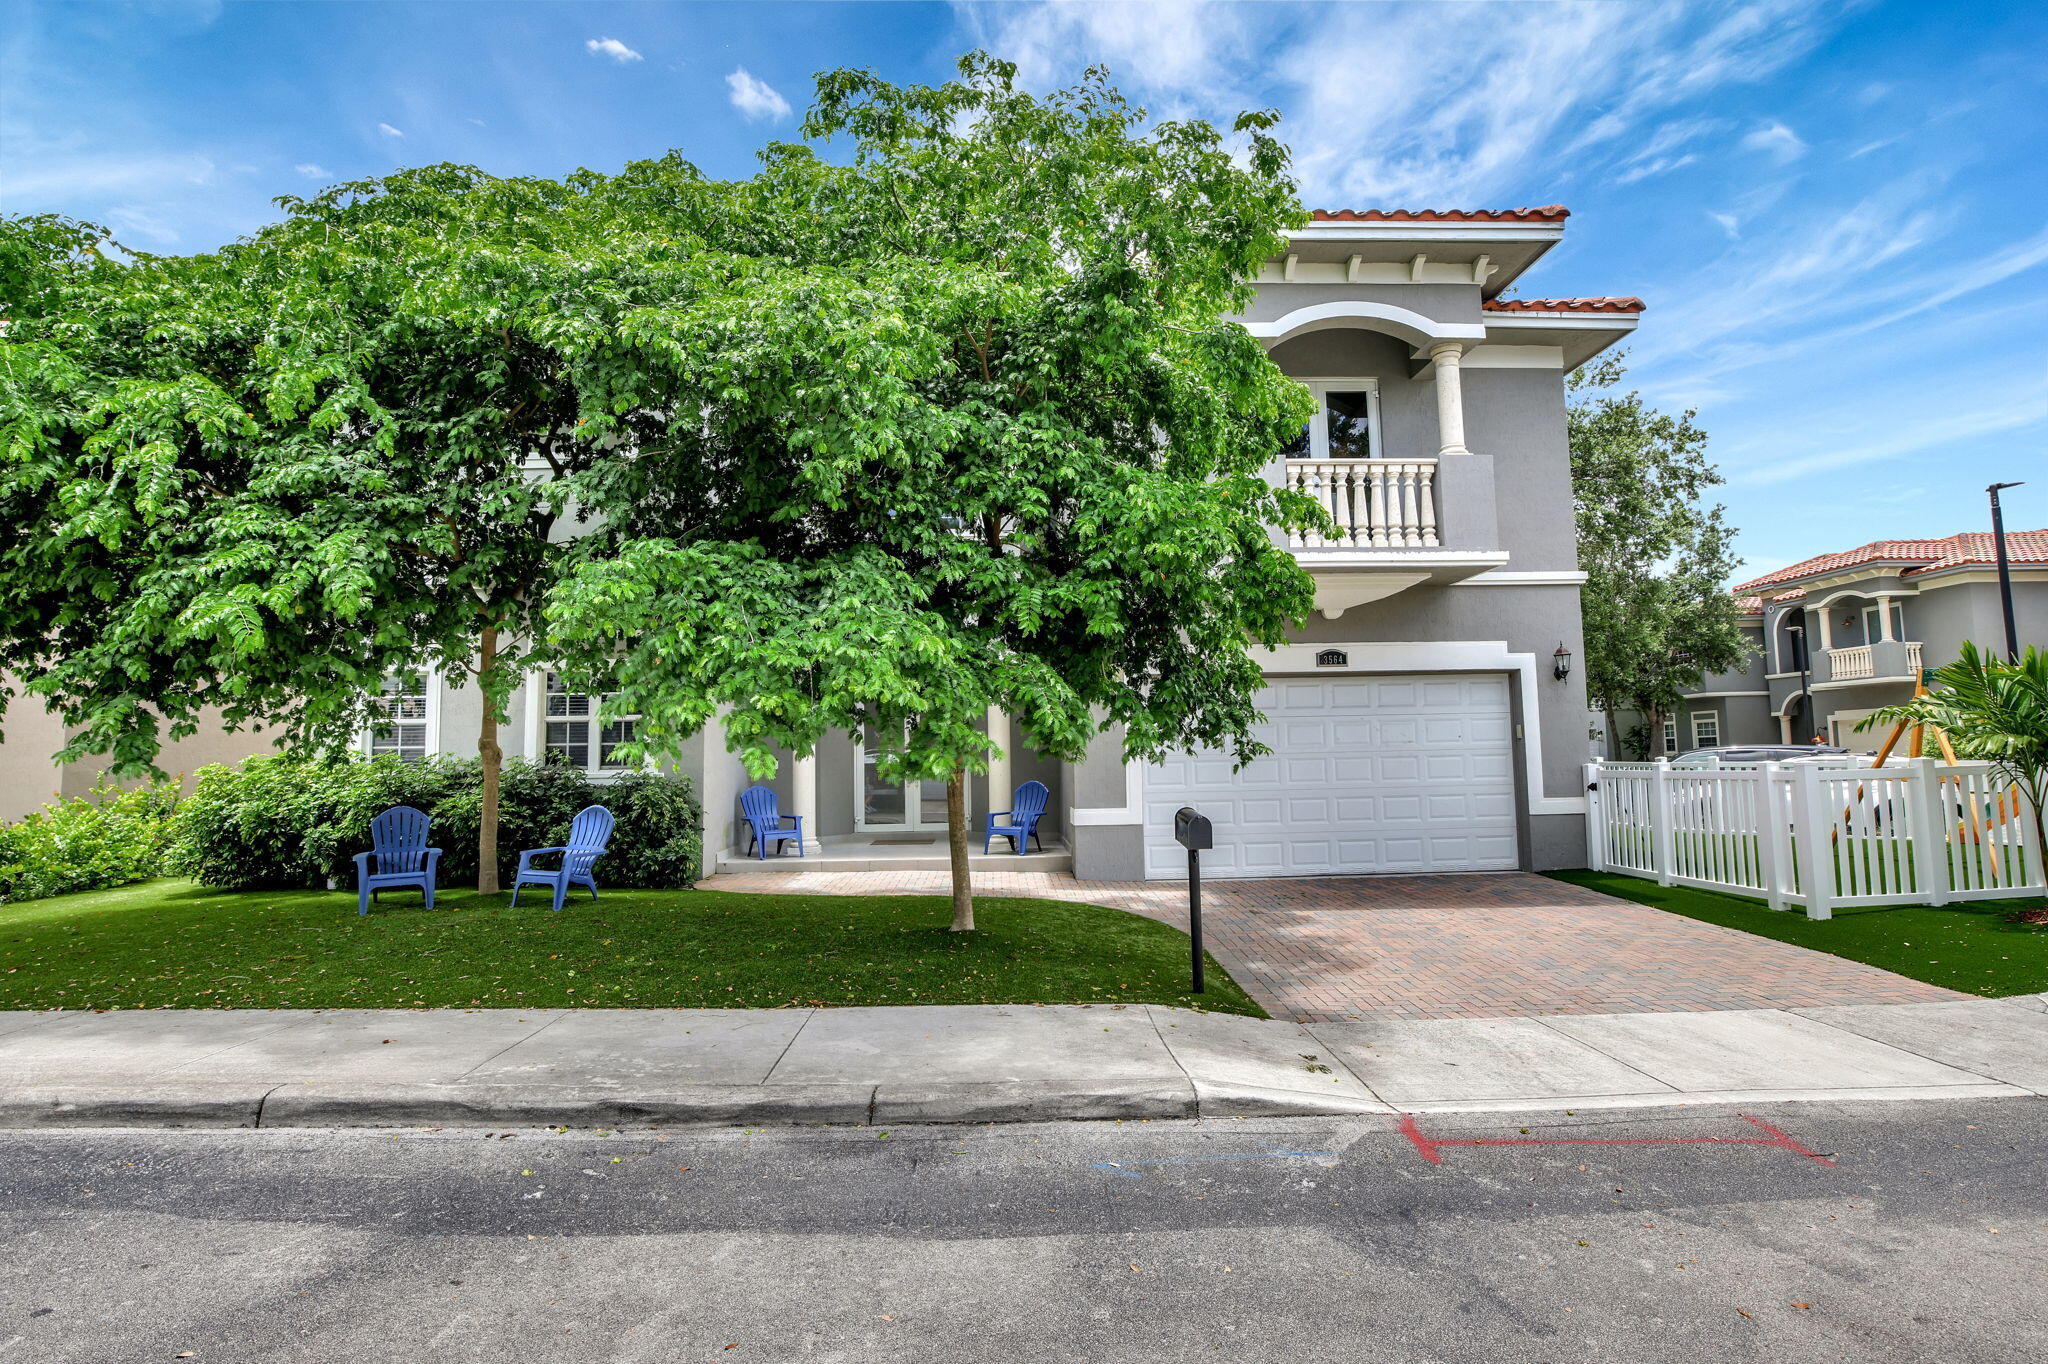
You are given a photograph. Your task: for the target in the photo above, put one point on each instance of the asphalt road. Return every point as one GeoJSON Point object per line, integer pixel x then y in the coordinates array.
{"type": "Point", "coordinates": [1300, 1240]}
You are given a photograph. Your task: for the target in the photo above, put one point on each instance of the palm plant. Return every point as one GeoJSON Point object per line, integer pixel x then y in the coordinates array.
{"type": "Point", "coordinates": [1993, 711]}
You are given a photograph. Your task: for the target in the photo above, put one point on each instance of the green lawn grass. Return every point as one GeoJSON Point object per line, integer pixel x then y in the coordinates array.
{"type": "Point", "coordinates": [172, 944]}
{"type": "Point", "coordinates": [1968, 947]}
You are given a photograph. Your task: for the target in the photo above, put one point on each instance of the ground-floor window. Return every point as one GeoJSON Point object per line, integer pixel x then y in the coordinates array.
{"type": "Point", "coordinates": [1706, 729]}
{"type": "Point", "coordinates": [402, 718]}
{"type": "Point", "coordinates": [575, 734]}
{"type": "Point", "coordinates": [1671, 736]}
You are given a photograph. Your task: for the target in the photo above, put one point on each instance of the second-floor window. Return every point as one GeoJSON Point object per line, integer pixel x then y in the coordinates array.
{"type": "Point", "coordinates": [576, 736]}
{"type": "Point", "coordinates": [399, 729]}
{"type": "Point", "coordinates": [1346, 424]}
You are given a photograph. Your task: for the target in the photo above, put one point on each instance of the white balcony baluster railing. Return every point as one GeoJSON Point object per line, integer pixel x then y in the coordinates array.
{"type": "Point", "coordinates": [1376, 503]}
{"type": "Point", "coordinates": [1852, 662]}
{"type": "Point", "coordinates": [1913, 657]}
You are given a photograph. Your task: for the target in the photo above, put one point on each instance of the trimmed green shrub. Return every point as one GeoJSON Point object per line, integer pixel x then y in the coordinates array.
{"type": "Point", "coordinates": [109, 838]}
{"type": "Point", "coordinates": [282, 822]}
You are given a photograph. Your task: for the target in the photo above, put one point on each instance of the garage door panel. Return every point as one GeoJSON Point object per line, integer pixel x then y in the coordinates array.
{"type": "Point", "coordinates": [1367, 775]}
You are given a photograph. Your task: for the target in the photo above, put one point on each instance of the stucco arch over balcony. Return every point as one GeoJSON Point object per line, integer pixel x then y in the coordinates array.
{"type": "Point", "coordinates": [1417, 330]}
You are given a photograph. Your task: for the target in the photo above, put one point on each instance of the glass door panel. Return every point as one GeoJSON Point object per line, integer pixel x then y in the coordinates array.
{"type": "Point", "coordinates": [931, 805]}
{"type": "Point", "coordinates": [881, 803]}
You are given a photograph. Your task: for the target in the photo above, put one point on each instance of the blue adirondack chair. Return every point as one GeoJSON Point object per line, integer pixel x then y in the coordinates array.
{"type": "Point", "coordinates": [590, 833]}
{"type": "Point", "coordinates": [398, 841]}
{"type": "Point", "coordinates": [1020, 822]}
{"type": "Point", "coordinates": [765, 823]}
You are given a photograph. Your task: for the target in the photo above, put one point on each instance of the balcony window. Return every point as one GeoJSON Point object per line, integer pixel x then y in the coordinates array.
{"type": "Point", "coordinates": [575, 735]}
{"type": "Point", "coordinates": [1346, 424]}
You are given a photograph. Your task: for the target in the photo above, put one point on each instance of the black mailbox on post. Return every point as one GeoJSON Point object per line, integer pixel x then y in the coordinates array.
{"type": "Point", "coordinates": [1192, 831]}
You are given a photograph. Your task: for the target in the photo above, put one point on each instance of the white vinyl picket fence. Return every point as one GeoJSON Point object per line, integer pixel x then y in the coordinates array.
{"type": "Point", "coordinates": [1915, 831]}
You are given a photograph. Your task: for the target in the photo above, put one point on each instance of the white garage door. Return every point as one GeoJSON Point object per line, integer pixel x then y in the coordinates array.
{"type": "Point", "coordinates": [1367, 774]}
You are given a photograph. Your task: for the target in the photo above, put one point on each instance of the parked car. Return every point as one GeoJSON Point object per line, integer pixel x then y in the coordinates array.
{"type": "Point", "coordinates": [1757, 753]}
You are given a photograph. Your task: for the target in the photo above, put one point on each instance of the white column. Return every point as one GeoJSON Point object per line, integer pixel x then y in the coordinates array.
{"type": "Point", "coordinates": [999, 789]}
{"type": "Point", "coordinates": [1827, 634]}
{"type": "Point", "coordinates": [1884, 619]}
{"type": "Point", "coordinates": [803, 798]}
{"type": "Point", "coordinates": [1450, 398]}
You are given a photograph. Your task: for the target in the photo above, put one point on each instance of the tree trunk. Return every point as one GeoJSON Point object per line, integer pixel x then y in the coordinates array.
{"type": "Point", "coordinates": [956, 842]}
{"type": "Point", "coordinates": [493, 760]}
{"type": "Point", "coordinates": [1617, 749]}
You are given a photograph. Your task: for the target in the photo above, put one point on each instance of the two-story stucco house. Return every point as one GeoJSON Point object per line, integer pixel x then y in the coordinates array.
{"type": "Point", "coordinates": [1425, 719]}
{"type": "Point", "coordinates": [1417, 722]}
{"type": "Point", "coordinates": [1838, 636]}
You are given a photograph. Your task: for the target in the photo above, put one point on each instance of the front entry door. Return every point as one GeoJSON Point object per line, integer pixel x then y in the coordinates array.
{"type": "Point", "coordinates": [881, 806]}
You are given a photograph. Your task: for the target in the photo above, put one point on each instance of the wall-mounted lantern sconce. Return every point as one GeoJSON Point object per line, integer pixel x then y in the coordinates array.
{"type": "Point", "coordinates": [1561, 663]}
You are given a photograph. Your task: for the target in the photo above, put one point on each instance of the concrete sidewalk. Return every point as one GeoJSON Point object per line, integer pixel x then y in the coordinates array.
{"type": "Point", "coordinates": [972, 1063]}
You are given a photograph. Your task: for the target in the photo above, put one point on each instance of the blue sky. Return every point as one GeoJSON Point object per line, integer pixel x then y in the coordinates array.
{"type": "Point", "coordinates": [1836, 212]}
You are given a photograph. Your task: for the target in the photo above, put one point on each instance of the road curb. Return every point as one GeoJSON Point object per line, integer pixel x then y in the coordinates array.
{"type": "Point", "coordinates": [457, 1105]}
{"type": "Point", "coordinates": [175, 1105]}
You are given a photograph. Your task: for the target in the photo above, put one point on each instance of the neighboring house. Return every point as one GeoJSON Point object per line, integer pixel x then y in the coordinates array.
{"type": "Point", "coordinates": [1417, 722]}
{"type": "Point", "coordinates": [1871, 620]}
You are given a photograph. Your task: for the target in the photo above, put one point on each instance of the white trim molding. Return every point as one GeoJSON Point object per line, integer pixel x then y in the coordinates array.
{"type": "Point", "coordinates": [1495, 355]}
{"type": "Point", "coordinates": [1707, 695]}
{"type": "Point", "coordinates": [1532, 578]}
{"type": "Point", "coordinates": [1411, 327]}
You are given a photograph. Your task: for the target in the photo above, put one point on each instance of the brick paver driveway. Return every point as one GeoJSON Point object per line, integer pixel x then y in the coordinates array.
{"type": "Point", "coordinates": [1468, 946]}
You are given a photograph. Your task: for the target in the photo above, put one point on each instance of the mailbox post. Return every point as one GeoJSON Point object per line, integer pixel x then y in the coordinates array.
{"type": "Point", "coordinates": [1192, 830]}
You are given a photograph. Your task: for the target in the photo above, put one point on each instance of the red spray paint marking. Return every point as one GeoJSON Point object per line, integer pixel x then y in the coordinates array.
{"type": "Point", "coordinates": [1428, 1147]}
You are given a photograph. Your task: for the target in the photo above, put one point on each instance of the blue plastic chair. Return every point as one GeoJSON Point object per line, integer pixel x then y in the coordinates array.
{"type": "Point", "coordinates": [765, 823]}
{"type": "Point", "coordinates": [590, 833]}
{"type": "Point", "coordinates": [1027, 808]}
{"type": "Point", "coordinates": [398, 840]}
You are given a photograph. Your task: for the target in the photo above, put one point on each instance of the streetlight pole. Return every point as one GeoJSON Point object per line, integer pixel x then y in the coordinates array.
{"type": "Point", "coordinates": [2012, 638]}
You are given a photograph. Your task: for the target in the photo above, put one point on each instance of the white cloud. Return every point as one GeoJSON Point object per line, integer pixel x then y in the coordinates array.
{"type": "Point", "coordinates": [71, 177]}
{"type": "Point", "coordinates": [312, 170]}
{"type": "Point", "coordinates": [1940, 430]}
{"type": "Point", "coordinates": [1775, 140]}
{"type": "Point", "coordinates": [389, 131]}
{"type": "Point", "coordinates": [613, 48]}
{"type": "Point", "coordinates": [136, 222]}
{"type": "Point", "coordinates": [1730, 224]}
{"type": "Point", "coordinates": [1426, 105]}
{"type": "Point", "coordinates": [754, 97]}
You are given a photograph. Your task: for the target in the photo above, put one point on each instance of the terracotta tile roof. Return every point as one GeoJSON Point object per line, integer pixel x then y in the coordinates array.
{"type": "Point", "coordinates": [1918, 556]}
{"type": "Point", "coordinates": [1750, 606]}
{"type": "Point", "coordinates": [1549, 213]}
{"type": "Point", "coordinates": [1562, 305]}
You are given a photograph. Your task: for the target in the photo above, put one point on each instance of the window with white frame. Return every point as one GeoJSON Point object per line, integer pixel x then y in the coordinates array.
{"type": "Point", "coordinates": [575, 734]}
{"type": "Point", "coordinates": [1706, 729]}
{"type": "Point", "coordinates": [401, 718]}
{"type": "Point", "coordinates": [1346, 424]}
{"type": "Point", "coordinates": [1671, 736]}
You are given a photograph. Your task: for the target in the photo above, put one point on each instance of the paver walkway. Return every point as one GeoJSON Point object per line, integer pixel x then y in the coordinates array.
{"type": "Point", "coordinates": [1458, 946]}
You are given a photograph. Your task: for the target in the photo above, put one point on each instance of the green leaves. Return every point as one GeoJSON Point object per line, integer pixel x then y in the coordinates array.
{"type": "Point", "coordinates": [1657, 559]}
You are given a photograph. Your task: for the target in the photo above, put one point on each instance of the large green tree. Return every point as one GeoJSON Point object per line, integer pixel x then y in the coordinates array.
{"type": "Point", "coordinates": [264, 479]}
{"type": "Point", "coordinates": [1657, 555]}
{"type": "Point", "coordinates": [960, 421]}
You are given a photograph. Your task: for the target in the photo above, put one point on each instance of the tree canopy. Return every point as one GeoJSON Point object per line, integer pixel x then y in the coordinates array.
{"type": "Point", "coordinates": [1657, 556]}
{"type": "Point", "coordinates": [940, 410]}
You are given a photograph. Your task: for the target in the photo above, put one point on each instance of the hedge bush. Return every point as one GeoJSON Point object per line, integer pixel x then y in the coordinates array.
{"type": "Point", "coordinates": [109, 838]}
{"type": "Point", "coordinates": [284, 823]}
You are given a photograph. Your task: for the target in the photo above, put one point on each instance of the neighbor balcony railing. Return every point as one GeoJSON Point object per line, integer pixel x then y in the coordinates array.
{"type": "Point", "coordinates": [1376, 503]}
{"type": "Point", "coordinates": [1858, 660]}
